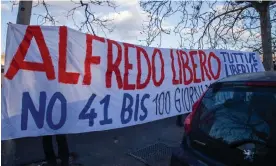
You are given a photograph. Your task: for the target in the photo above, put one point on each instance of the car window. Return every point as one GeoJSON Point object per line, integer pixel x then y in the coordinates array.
{"type": "Point", "coordinates": [238, 113]}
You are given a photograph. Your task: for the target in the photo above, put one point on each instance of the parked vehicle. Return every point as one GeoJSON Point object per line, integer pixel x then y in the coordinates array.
{"type": "Point", "coordinates": [233, 123]}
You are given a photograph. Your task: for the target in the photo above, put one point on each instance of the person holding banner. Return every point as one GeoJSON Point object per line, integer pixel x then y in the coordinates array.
{"type": "Point", "coordinates": [63, 150]}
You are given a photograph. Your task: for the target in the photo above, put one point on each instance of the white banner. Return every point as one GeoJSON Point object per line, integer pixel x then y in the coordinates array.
{"type": "Point", "coordinates": [58, 80]}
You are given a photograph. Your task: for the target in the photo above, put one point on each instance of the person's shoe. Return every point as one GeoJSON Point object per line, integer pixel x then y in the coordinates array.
{"type": "Point", "coordinates": [49, 163]}
{"type": "Point", "coordinates": [73, 157]}
{"type": "Point", "coordinates": [64, 162]}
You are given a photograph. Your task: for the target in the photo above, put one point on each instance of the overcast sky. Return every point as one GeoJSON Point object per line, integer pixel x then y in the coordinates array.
{"type": "Point", "coordinates": [127, 20]}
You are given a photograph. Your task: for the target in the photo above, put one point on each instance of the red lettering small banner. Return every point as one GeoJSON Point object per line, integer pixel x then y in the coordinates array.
{"type": "Point", "coordinates": [58, 80]}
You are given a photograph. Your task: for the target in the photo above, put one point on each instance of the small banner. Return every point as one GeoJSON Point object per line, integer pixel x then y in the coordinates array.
{"type": "Point", "coordinates": [58, 80]}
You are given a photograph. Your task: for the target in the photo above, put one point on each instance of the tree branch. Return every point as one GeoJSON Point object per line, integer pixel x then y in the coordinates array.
{"type": "Point", "coordinates": [91, 21]}
{"type": "Point", "coordinates": [222, 14]}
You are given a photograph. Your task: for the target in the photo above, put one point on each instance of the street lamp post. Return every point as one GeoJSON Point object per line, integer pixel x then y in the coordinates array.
{"type": "Point", "coordinates": [24, 12]}
{"type": "Point", "coordinates": [9, 146]}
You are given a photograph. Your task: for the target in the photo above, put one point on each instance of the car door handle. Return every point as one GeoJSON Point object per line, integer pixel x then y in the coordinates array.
{"type": "Point", "coordinates": [199, 142]}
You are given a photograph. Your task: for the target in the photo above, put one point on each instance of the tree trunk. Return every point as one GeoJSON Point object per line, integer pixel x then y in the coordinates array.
{"type": "Point", "coordinates": [264, 12]}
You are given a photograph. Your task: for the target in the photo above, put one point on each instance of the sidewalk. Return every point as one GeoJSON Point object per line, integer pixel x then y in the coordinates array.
{"type": "Point", "coordinates": [108, 148]}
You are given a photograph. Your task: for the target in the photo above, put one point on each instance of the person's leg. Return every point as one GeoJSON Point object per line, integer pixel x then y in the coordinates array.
{"type": "Point", "coordinates": [48, 150]}
{"type": "Point", "coordinates": [179, 121]}
{"type": "Point", "coordinates": [63, 150]}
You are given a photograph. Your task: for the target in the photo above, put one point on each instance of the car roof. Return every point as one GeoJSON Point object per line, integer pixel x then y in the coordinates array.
{"type": "Point", "coordinates": [266, 76]}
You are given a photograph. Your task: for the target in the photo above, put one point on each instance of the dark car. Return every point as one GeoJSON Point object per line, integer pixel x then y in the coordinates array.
{"type": "Point", "coordinates": [233, 123]}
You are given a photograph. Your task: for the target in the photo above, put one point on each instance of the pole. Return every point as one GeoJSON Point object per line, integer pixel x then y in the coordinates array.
{"type": "Point", "coordinates": [9, 146]}
{"type": "Point", "coordinates": [24, 12]}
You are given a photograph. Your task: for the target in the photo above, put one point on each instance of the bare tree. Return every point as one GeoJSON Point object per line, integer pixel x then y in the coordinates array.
{"type": "Point", "coordinates": [91, 19]}
{"type": "Point", "coordinates": [242, 25]}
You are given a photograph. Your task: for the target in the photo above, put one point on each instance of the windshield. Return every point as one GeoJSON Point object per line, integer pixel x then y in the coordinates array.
{"type": "Point", "coordinates": [235, 113]}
